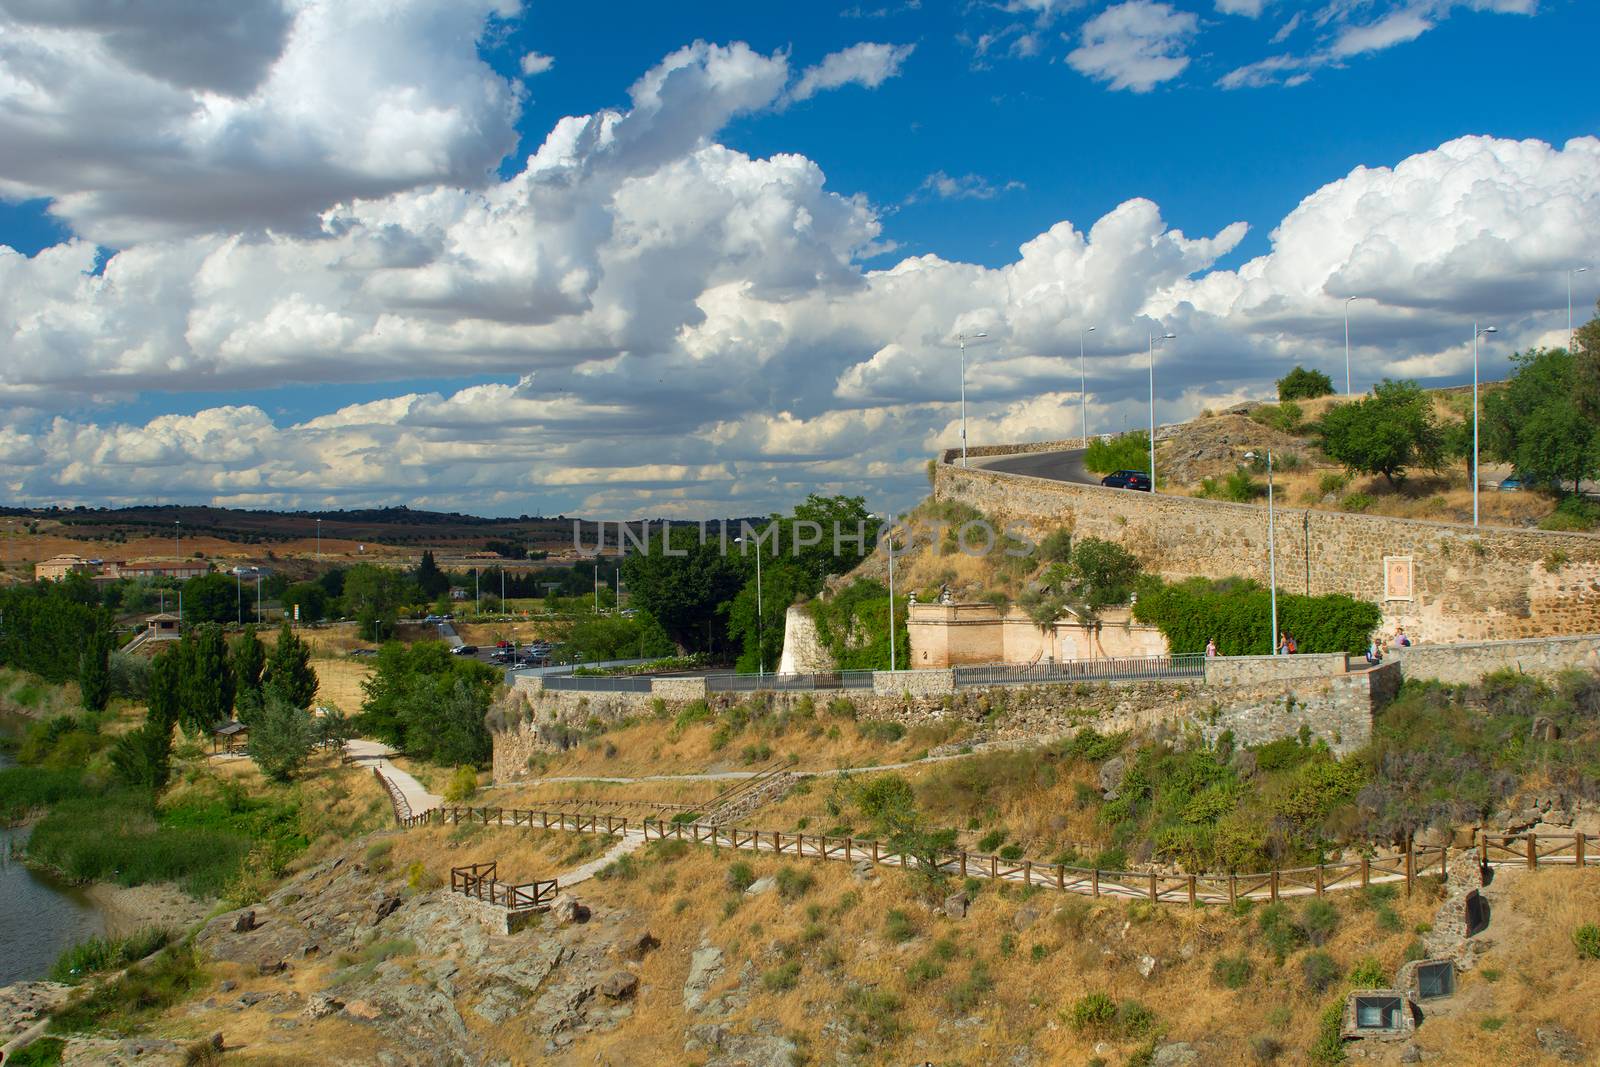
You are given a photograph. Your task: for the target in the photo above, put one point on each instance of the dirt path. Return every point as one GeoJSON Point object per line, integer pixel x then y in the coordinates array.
{"type": "Point", "coordinates": [375, 754]}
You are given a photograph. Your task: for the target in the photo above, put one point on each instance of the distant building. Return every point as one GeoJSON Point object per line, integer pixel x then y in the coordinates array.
{"type": "Point", "coordinates": [58, 567]}
{"type": "Point", "coordinates": [180, 569]}
{"type": "Point", "coordinates": [163, 626]}
{"type": "Point", "coordinates": [245, 570]}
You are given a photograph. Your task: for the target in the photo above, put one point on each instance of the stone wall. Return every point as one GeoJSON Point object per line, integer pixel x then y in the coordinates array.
{"type": "Point", "coordinates": [1247, 670]}
{"type": "Point", "coordinates": [950, 635]}
{"type": "Point", "coordinates": [1464, 584]}
{"type": "Point", "coordinates": [1457, 664]}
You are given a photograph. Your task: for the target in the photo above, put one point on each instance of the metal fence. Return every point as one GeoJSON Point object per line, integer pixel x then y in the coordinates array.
{"type": "Point", "coordinates": [784, 683]}
{"type": "Point", "coordinates": [1145, 668]}
{"type": "Point", "coordinates": [593, 683]}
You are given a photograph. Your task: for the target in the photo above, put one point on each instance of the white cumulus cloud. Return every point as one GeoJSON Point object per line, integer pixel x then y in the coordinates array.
{"type": "Point", "coordinates": [1135, 45]}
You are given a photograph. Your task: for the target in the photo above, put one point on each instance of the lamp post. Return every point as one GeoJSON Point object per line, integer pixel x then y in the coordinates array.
{"type": "Point", "coordinates": [1476, 333]}
{"type": "Point", "coordinates": [1272, 550]}
{"type": "Point", "coordinates": [961, 339]}
{"type": "Point", "coordinates": [177, 542]}
{"type": "Point", "coordinates": [761, 646]}
{"type": "Point", "coordinates": [1570, 273]}
{"type": "Point", "coordinates": [238, 596]}
{"type": "Point", "coordinates": [319, 540]}
{"type": "Point", "coordinates": [1152, 357]}
{"type": "Point", "coordinates": [597, 584]}
{"type": "Point", "coordinates": [475, 608]}
{"type": "Point", "coordinates": [1347, 344]}
{"type": "Point", "coordinates": [1083, 391]}
{"type": "Point", "coordinates": [258, 596]}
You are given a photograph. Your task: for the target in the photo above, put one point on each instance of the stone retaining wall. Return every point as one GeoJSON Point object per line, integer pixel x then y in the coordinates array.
{"type": "Point", "coordinates": [1458, 664]}
{"type": "Point", "coordinates": [1445, 581]}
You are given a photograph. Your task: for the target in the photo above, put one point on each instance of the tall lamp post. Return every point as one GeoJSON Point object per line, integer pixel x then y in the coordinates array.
{"type": "Point", "coordinates": [1570, 274]}
{"type": "Point", "coordinates": [1476, 333]}
{"type": "Point", "coordinates": [1272, 551]}
{"type": "Point", "coordinates": [761, 644]}
{"type": "Point", "coordinates": [1152, 356]}
{"type": "Point", "coordinates": [1083, 391]}
{"type": "Point", "coordinates": [1347, 344]}
{"type": "Point", "coordinates": [319, 540]}
{"type": "Point", "coordinates": [177, 541]}
{"type": "Point", "coordinates": [961, 339]}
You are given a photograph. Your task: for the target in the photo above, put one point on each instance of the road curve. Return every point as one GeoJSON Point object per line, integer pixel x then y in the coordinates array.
{"type": "Point", "coordinates": [1065, 466]}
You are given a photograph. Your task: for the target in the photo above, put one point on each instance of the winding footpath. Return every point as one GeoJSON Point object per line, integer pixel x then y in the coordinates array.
{"type": "Point", "coordinates": [375, 754]}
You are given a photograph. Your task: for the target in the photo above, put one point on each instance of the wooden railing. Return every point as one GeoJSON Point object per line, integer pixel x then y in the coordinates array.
{"type": "Point", "coordinates": [397, 799]}
{"type": "Point", "coordinates": [1493, 849]}
{"type": "Point", "coordinates": [478, 880]}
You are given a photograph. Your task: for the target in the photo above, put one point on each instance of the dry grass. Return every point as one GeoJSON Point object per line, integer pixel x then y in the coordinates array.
{"type": "Point", "coordinates": [339, 683]}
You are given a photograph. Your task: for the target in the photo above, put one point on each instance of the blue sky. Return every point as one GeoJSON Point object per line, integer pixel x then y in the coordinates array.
{"type": "Point", "coordinates": [333, 276]}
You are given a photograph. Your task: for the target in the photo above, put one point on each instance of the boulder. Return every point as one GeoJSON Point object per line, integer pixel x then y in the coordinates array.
{"type": "Point", "coordinates": [1147, 966]}
{"type": "Point", "coordinates": [760, 886]}
{"type": "Point", "coordinates": [1544, 729]}
{"type": "Point", "coordinates": [567, 910]}
{"type": "Point", "coordinates": [619, 985]}
{"type": "Point", "coordinates": [705, 967]}
{"type": "Point", "coordinates": [1025, 917]}
{"type": "Point", "coordinates": [863, 870]}
{"type": "Point", "coordinates": [1411, 1054]}
{"type": "Point", "coordinates": [633, 944]}
{"type": "Point", "coordinates": [321, 1005]}
{"type": "Point", "coordinates": [1176, 1054]}
{"type": "Point", "coordinates": [385, 908]}
{"type": "Point", "coordinates": [244, 922]}
{"type": "Point", "coordinates": [956, 905]}
{"type": "Point", "coordinates": [1112, 771]}
{"type": "Point", "coordinates": [1560, 1042]}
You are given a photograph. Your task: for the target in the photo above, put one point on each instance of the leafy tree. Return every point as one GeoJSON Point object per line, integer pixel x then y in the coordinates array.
{"type": "Point", "coordinates": [432, 581]}
{"type": "Point", "coordinates": [282, 738]}
{"type": "Point", "coordinates": [47, 625]}
{"type": "Point", "coordinates": [333, 727]}
{"type": "Point", "coordinates": [288, 673]}
{"type": "Point", "coordinates": [1302, 384]}
{"type": "Point", "coordinates": [142, 758]}
{"type": "Point", "coordinates": [429, 703]}
{"type": "Point", "coordinates": [248, 659]}
{"type": "Point", "coordinates": [309, 597]}
{"type": "Point", "coordinates": [207, 684]}
{"type": "Point", "coordinates": [1104, 572]}
{"type": "Point", "coordinates": [130, 675]}
{"type": "Point", "coordinates": [210, 598]}
{"type": "Point", "coordinates": [889, 803]}
{"type": "Point", "coordinates": [683, 593]}
{"type": "Point", "coordinates": [853, 625]}
{"type": "Point", "coordinates": [166, 686]}
{"type": "Point", "coordinates": [1586, 351]}
{"type": "Point", "coordinates": [1386, 433]}
{"type": "Point", "coordinates": [374, 595]}
{"type": "Point", "coordinates": [94, 666]}
{"type": "Point", "coordinates": [605, 637]}
{"type": "Point", "coordinates": [1537, 425]}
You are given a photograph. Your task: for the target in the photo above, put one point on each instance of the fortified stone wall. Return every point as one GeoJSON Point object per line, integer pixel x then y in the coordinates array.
{"type": "Point", "coordinates": [803, 652]}
{"type": "Point", "coordinates": [1441, 581]}
{"type": "Point", "coordinates": [949, 635]}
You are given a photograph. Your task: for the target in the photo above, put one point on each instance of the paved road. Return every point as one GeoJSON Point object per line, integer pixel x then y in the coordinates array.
{"type": "Point", "coordinates": [1057, 466]}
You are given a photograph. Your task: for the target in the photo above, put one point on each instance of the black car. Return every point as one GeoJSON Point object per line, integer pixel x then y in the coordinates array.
{"type": "Point", "coordinates": [465, 650]}
{"type": "Point", "coordinates": [1127, 480]}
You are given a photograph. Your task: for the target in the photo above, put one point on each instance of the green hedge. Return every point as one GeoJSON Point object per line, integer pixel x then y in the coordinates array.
{"type": "Point", "coordinates": [1129, 451]}
{"type": "Point", "coordinates": [853, 626]}
{"type": "Point", "coordinates": [1238, 613]}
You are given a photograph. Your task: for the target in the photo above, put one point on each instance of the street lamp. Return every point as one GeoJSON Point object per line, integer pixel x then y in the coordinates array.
{"type": "Point", "coordinates": [1476, 333]}
{"type": "Point", "coordinates": [1083, 391]}
{"type": "Point", "coordinates": [319, 540]}
{"type": "Point", "coordinates": [1272, 550]}
{"type": "Point", "coordinates": [1152, 356]}
{"type": "Point", "coordinates": [1347, 344]}
{"type": "Point", "coordinates": [961, 339]}
{"type": "Point", "coordinates": [1570, 273]}
{"type": "Point", "coordinates": [177, 541]}
{"type": "Point", "coordinates": [761, 646]}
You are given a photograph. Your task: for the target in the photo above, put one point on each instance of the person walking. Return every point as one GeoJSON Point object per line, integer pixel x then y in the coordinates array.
{"type": "Point", "coordinates": [1211, 647]}
{"type": "Point", "coordinates": [1293, 648]}
{"type": "Point", "coordinates": [1283, 643]}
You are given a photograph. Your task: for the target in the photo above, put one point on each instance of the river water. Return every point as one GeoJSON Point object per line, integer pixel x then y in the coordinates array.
{"type": "Point", "coordinates": [39, 917]}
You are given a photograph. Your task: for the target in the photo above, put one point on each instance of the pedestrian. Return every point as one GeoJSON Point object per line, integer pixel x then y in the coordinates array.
{"type": "Point", "coordinates": [1283, 643]}
{"type": "Point", "coordinates": [1211, 647]}
{"type": "Point", "coordinates": [1400, 637]}
{"type": "Point", "coordinates": [1372, 651]}
{"type": "Point", "coordinates": [1293, 648]}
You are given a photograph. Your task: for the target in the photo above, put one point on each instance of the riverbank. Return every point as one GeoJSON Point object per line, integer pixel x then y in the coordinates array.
{"type": "Point", "coordinates": [127, 909]}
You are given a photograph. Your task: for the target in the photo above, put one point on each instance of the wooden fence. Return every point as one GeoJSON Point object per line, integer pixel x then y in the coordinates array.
{"type": "Point", "coordinates": [1494, 849]}
{"type": "Point", "coordinates": [478, 880]}
{"type": "Point", "coordinates": [397, 799]}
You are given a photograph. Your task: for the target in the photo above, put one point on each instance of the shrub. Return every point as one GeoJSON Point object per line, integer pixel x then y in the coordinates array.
{"type": "Point", "coordinates": [924, 971]}
{"type": "Point", "coordinates": [142, 992]}
{"type": "Point", "coordinates": [1369, 974]}
{"type": "Point", "coordinates": [1265, 1048]}
{"type": "Point", "coordinates": [1092, 1013]}
{"type": "Point", "coordinates": [106, 954]}
{"type": "Point", "coordinates": [739, 876]}
{"type": "Point", "coordinates": [794, 883]}
{"type": "Point", "coordinates": [462, 784]}
{"type": "Point", "coordinates": [965, 996]}
{"type": "Point", "coordinates": [781, 978]}
{"type": "Point", "coordinates": [1319, 970]}
{"type": "Point", "coordinates": [1129, 451]}
{"type": "Point", "coordinates": [1011, 853]}
{"type": "Point", "coordinates": [882, 731]}
{"type": "Point", "coordinates": [1333, 482]}
{"type": "Point", "coordinates": [1278, 931]}
{"type": "Point", "coordinates": [1586, 939]}
{"type": "Point", "coordinates": [1318, 919]}
{"type": "Point", "coordinates": [1355, 502]}
{"type": "Point", "coordinates": [1302, 384]}
{"type": "Point", "coordinates": [991, 840]}
{"type": "Point", "coordinates": [897, 926]}
{"type": "Point", "coordinates": [1231, 972]}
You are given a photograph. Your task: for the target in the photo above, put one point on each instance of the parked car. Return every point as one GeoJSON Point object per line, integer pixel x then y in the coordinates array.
{"type": "Point", "coordinates": [502, 644]}
{"type": "Point", "coordinates": [465, 650]}
{"type": "Point", "coordinates": [1127, 480]}
{"type": "Point", "coordinates": [1511, 484]}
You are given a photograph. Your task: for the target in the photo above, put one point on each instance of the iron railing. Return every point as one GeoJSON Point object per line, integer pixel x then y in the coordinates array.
{"type": "Point", "coordinates": [599, 683]}
{"type": "Point", "coordinates": [1144, 668]}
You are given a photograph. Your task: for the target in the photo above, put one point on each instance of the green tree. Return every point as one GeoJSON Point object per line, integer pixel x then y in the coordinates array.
{"type": "Point", "coordinates": [142, 758]}
{"type": "Point", "coordinates": [94, 666]}
{"type": "Point", "coordinates": [683, 593]}
{"type": "Point", "coordinates": [210, 598]}
{"type": "Point", "coordinates": [282, 738]}
{"type": "Point", "coordinates": [1124, 452]}
{"type": "Point", "coordinates": [1386, 433]}
{"type": "Point", "coordinates": [208, 684]}
{"type": "Point", "coordinates": [165, 698]}
{"type": "Point", "coordinates": [1537, 424]}
{"type": "Point", "coordinates": [309, 597]}
{"type": "Point", "coordinates": [374, 595]}
{"type": "Point", "coordinates": [333, 727]}
{"type": "Point", "coordinates": [1302, 384]}
{"type": "Point", "coordinates": [422, 699]}
{"type": "Point", "coordinates": [1103, 572]}
{"type": "Point", "coordinates": [1586, 352]}
{"type": "Point", "coordinates": [432, 581]}
{"type": "Point", "coordinates": [248, 659]}
{"type": "Point", "coordinates": [288, 673]}
{"type": "Point", "coordinates": [888, 802]}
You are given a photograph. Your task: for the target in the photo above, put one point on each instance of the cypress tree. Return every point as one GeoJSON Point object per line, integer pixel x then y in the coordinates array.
{"type": "Point", "coordinates": [166, 687]}
{"type": "Point", "coordinates": [289, 672]}
{"type": "Point", "coordinates": [249, 659]}
{"type": "Point", "coordinates": [208, 684]}
{"type": "Point", "coordinates": [94, 665]}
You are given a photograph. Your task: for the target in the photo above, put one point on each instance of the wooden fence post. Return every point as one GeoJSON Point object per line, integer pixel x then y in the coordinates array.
{"type": "Point", "coordinates": [1319, 879]}
{"type": "Point", "coordinates": [963, 865]}
{"type": "Point", "coordinates": [1027, 872]}
{"type": "Point", "coordinates": [1533, 850]}
{"type": "Point", "coordinates": [1094, 883]}
{"type": "Point", "coordinates": [1233, 889]}
{"type": "Point", "coordinates": [1483, 847]}
{"type": "Point", "coordinates": [1366, 872]}
{"type": "Point", "coordinates": [1061, 877]}
{"type": "Point", "coordinates": [1411, 870]}
{"type": "Point", "coordinates": [1273, 887]}
{"type": "Point", "coordinates": [1192, 900]}
{"type": "Point", "coordinates": [874, 850]}
{"type": "Point", "coordinates": [994, 868]}
{"type": "Point", "coordinates": [1444, 862]}
{"type": "Point", "coordinates": [1152, 887]}
{"type": "Point", "coordinates": [1578, 849]}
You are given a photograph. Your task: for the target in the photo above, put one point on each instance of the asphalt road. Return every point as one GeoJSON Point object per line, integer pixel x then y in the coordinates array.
{"type": "Point", "coordinates": [1057, 466]}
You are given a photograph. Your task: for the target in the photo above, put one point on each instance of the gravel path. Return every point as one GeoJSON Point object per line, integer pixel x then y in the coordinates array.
{"type": "Point", "coordinates": [376, 754]}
